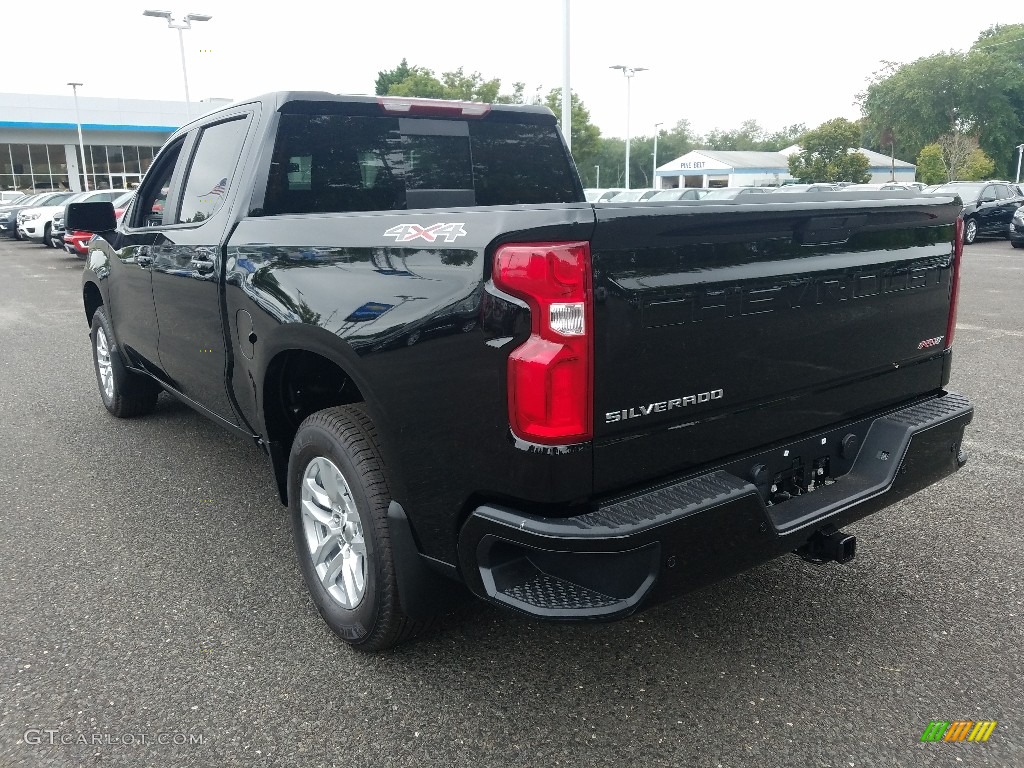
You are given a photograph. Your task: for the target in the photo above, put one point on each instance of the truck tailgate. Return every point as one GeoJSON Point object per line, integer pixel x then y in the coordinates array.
{"type": "Point", "coordinates": [721, 328]}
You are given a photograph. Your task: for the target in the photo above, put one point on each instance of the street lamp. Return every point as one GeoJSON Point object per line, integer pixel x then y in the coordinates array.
{"type": "Point", "coordinates": [598, 169]}
{"type": "Point", "coordinates": [1020, 151]}
{"type": "Point", "coordinates": [628, 72]}
{"type": "Point", "coordinates": [180, 25]}
{"type": "Point", "coordinates": [81, 144]}
{"type": "Point", "coordinates": [654, 173]}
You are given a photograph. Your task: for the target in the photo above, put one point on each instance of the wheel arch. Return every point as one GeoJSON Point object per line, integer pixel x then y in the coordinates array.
{"type": "Point", "coordinates": [303, 370]}
{"type": "Point", "coordinates": [92, 298]}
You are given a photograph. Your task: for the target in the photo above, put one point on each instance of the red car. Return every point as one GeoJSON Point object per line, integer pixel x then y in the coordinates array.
{"type": "Point", "coordinates": [77, 243]}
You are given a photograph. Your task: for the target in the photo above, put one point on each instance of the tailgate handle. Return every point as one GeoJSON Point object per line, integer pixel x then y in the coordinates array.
{"type": "Point", "coordinates": [822, 230]}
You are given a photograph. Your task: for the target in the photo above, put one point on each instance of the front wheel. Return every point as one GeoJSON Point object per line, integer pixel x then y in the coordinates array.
{"type": "Point", "coordinates": [338, 497]}
{"type": "Point", "coordinates": [1017, 244]}
{"type": "Point", "coordinates": [47, 241]}
{"type": "Point", "coordinates": [970, 231]}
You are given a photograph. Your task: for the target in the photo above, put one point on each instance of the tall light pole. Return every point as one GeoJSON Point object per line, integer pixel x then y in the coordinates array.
{"type": "Point", "coordinates": [81, 144]}
{"type": "Point", "coordinates": [186, 23]}
{"type": "Point", "coordinates": [654, 173]}
{"type": "Point", "coordinates": [598, 169]}
{"type": "Point", "coordinates": [628, 72]}
{"type": "Point", "coordinates": [1020, 151]}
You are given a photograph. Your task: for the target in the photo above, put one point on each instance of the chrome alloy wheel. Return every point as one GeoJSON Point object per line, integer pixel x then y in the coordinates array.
{"type": "Point", "coordinates": [103, 364]}
{"type": "Point", "coordinates": [334, 532]}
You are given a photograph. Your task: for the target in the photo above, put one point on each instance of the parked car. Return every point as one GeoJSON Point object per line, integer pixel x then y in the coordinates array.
{"type": "Point", "coordinates": [77, 242]}
{"type": "Point", "coordinates": [691, 193]}
{"type": "Point", "coordinates": [9, 214]}
{"type": "Point", "coordinates": [37, 223]}
{"type": "Point", "coordinates": [731, 193]}
{"type": "Point", "coordinates": [12, 196]}
{"type": "Point", "coordinates": [1016, 229]}
{"type": "Point", "coordinates": [989, 206]}
{"type": "Point", "coordinates": [634, 195]}
{"type": "Point", "coordinates": [887, 187]}
{"type": "Point", "coordinates": [809, 188]}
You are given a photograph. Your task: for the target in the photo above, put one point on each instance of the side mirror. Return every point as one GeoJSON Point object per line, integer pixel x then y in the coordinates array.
{"type": "Point", "coordinates": [90, 217]}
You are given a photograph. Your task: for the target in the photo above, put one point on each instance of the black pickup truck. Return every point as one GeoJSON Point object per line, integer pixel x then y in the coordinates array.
{"type": "Point", "coordinates": [465, 374]}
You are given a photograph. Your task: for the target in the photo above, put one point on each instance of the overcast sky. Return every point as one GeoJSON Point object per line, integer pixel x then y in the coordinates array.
{"type": "Point", "coordinates": [713, 63]}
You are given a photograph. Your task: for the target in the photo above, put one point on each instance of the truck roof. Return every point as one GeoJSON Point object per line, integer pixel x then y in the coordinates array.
{"type": "Point", "coordinates": [279, 99]}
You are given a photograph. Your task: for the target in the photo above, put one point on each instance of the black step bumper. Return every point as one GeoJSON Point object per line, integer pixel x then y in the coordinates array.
{"type": "Point", "coordinates": [642, 549]}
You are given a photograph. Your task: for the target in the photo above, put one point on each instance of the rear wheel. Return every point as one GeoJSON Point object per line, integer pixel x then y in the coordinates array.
{"type": "Point", "coordinates": [338, 497]}
{"type": "Point", "coordinates": [124, 394]}
{"type": "Point", "coordinates": [970, 231]}
{"type": "Point", "coordinates": [1016, 244]}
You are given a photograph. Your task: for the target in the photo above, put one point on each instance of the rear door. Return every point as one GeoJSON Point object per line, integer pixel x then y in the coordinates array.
{"type": "Point", "coordinates": [188, 264]}
{"type": "Point", "coordinates": [721, 327]}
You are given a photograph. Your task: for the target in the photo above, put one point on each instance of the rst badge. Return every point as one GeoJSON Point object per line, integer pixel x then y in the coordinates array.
{"type": "Point", "coordinates": [404, 233]}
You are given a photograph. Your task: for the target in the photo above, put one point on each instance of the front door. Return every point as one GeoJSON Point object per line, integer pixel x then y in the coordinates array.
{"type": "Point", "coordinates": [132, 310]}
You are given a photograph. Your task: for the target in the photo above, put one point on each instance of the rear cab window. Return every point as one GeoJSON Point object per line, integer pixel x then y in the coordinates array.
{"type": "Point", "coordinates": [334, 163]}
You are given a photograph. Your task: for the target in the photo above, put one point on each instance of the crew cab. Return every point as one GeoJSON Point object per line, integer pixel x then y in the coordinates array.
{"type": "Point", "coordinates": [466, 377]}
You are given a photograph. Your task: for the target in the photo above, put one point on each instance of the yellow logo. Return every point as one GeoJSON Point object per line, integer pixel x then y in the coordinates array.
{"type": "Point", "coordinates": [958, 730]}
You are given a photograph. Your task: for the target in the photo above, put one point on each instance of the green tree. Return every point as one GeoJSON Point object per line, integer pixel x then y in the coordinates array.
{"type": "Point", "coordinates": [585, 134]}
{"type": "Point", "coordinates": [978, 93]}
{"type": "Point", "coordinates": [751, 137]}
{"type": "Point", "coordinates": [825, 154]}
{"type": "Point", "coordinates": [610, 156]}
{"type": "Point", "coordinates": [786, 136]}
{"type": "Point", "coordinates": [979, 166]}
{"type": "Point", "coordinates": [423, 83]}
{"type": "Point", "coordinates": [930, 169]}
{"type": "Point", "coordinates": [388, 77]}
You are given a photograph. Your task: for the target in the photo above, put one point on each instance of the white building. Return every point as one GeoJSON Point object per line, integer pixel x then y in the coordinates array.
{"type": "Point", "coordinates": [711, 168]}
{"type": "Point", "coordinates": [39, 147]}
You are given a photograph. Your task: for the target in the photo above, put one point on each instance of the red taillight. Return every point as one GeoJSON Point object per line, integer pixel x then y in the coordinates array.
{"type": "Point", "coordinates": [436, 107]}
{"type": "Point", "coordinates": [550, 376]}
{"type": "Point", "coordinates": [954, 289]}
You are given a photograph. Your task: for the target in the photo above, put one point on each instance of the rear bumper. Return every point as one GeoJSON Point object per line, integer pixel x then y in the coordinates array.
{"type": "Point", "coordinates": [639, 550]}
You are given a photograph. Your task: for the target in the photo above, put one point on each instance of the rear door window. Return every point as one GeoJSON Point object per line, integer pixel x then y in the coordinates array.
{"type": "Point", "coordinates": [210, 173]}
{"type": "Point", "coordinates": [325, 163]}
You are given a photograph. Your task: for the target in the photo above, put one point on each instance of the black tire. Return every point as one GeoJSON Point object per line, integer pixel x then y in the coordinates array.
{"type": "Point", "coordinates": [347, 438]}
{"type": "Point", "coordinates": [970, 231]}
{"type": "Point", "coordinates": [128, 394]}
{"type": "Point", "coordinates": [46, 237]}
{"type": "Point", "coordinates": [1017, 244]}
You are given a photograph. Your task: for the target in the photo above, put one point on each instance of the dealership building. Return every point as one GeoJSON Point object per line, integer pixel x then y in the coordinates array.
{"type": "Point", "coordinates": [39, 147]}
{"type": "Point", "coordinates": [710, 168]}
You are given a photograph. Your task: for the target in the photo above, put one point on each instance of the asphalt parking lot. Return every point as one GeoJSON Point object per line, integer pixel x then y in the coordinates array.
{"type": "Point", "coordinates": [150, 593]}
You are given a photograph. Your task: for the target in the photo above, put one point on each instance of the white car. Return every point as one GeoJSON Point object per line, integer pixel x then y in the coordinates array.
{"type": "Point", "coordinates": [10, 196]}
{"type": "Point", "coordinates": [36, 223]}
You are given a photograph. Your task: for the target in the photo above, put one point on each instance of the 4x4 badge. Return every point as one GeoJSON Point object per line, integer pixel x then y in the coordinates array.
{"type": "Point", "coordinates": [403, 233]}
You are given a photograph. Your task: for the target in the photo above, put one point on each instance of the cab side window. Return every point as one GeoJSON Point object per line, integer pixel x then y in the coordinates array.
{"type": "Point", "coordinates": [153, 193]}
{"type": "Point", "coordinates": [210, 174]}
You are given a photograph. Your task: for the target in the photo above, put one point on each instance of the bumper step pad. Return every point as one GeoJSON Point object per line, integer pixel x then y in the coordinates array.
{"type": "Point", "coordinates": [654, 545]}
